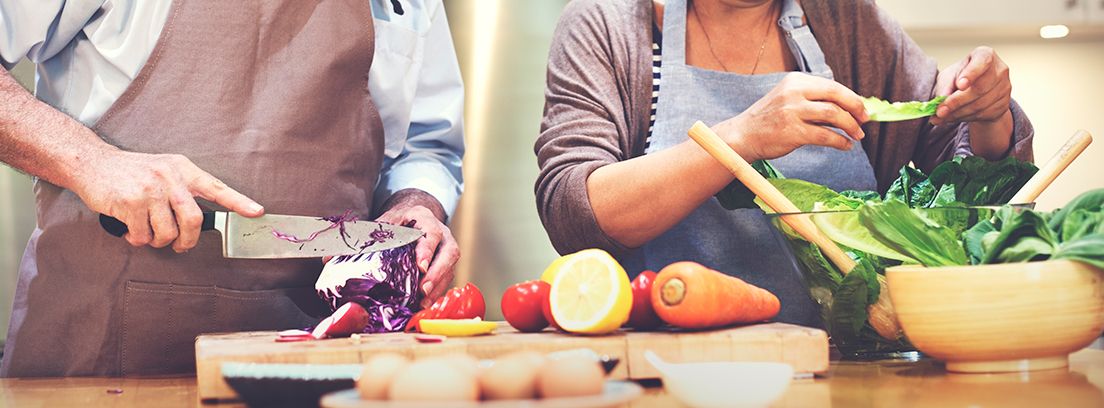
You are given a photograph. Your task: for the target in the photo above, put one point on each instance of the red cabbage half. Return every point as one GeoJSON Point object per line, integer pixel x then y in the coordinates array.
{"type": "Point", "coordinates": [385, 283]}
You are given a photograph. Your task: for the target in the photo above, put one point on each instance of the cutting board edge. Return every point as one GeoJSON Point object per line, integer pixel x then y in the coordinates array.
{"type": "Point", "coordinates": [814, 342]}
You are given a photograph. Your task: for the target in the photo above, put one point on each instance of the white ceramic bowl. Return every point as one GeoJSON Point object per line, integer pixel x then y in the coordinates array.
{"type": "Point", "coordinates": [724, 384]}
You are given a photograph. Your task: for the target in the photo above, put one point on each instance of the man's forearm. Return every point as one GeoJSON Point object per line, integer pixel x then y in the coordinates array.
{"type": "Point", "coordinates": [411, 197]}
{"type": "Point", "coordinates": [42, 141]}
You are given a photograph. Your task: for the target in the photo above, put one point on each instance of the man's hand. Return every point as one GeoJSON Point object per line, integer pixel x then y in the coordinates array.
{"type": "Point", "coordinates": [437, 252]}
{"type": "Point", "coordinates": [154, 194]}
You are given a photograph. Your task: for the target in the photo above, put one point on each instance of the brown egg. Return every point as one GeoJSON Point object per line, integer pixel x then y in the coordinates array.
{"type": "Point", "coordinates": [463, 361]}
{"type": "Point", "coordinates": [513, 376]}
{"type": "Point", "coordinates": [570, 376]}
{"type": "Point", "coordinates": [378, 372]}
{"type": "Point", "coordinates": [435, 379]}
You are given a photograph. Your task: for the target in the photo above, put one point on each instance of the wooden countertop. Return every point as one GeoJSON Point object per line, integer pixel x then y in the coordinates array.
{"type": "Point", "coordinates": [914, 384]}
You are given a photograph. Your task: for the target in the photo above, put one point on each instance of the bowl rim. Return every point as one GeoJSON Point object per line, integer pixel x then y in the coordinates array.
{"type": "Point", "coordinates": [983, 268]}
{"type": "Point", "coordinates": [1030, 205]}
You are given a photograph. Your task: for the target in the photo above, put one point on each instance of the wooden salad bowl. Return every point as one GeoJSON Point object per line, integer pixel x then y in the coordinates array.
{"type": "Point", "coordinates": [1000, 318]}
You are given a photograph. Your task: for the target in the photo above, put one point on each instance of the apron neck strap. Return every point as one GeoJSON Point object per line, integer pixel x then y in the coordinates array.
{"type": "Point", "coordinates": [799, 37]}
{"type": "Point", "coordinates": [674, 31]}
{"type": "Point", "coordinates": [806, 50]}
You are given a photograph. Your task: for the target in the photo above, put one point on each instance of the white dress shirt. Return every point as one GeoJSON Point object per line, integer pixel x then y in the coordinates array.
{"type": "Point", "coordinates": [88, 51]}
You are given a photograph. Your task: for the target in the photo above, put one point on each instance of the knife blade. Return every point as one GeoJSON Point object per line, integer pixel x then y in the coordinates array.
{"type": "Point", "coordinates": [260, 238]}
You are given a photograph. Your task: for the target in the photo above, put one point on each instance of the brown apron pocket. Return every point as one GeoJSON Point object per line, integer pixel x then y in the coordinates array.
{"type": "Point", "coordinates": [161, 321]}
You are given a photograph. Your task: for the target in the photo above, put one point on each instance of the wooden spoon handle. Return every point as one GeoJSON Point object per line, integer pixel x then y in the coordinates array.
{"type": "Point", "coordinates": [1053, 167]}
{"type": "Point", "coordinates": [708, 140]}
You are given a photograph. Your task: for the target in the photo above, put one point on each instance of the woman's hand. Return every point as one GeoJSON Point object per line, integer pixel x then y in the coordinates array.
{"type": "Point", "coordinates": [977, 87]}
{"type": "Point", "coordinates": [797, 112]}
{"type": "Point", "coordinates": [979, 92]}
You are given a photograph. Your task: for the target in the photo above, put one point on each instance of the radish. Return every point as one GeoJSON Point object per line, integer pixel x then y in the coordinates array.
{"type": "Point", "coordinates": [348, 319]}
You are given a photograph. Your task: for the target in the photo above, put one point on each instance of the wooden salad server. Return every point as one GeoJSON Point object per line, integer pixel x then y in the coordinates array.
{"type": "Point", "coordinates": [1053, 167]}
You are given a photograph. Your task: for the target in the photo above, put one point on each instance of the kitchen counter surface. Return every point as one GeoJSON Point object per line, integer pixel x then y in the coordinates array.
{"type": "Point", "coordinates": [848, 384]}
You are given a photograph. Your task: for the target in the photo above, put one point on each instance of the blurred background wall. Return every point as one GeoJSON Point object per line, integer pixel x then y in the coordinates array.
{"type": "Point", "coordinates": [502, 46]}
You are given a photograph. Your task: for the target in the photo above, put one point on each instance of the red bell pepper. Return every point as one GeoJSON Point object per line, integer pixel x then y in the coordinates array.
{"type": "Point", "coordinates": [458, 303]}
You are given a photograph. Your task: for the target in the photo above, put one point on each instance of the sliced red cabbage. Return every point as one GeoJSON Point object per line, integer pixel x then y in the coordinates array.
{"type": "Point", "coordinates": [385, 283]}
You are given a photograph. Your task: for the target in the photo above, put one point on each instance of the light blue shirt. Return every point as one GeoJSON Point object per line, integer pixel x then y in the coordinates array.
{"type": "Point", "coordinates": [88, 51]}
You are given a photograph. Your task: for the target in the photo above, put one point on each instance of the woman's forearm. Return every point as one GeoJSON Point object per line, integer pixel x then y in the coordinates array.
{"type": "Point", "coordinates": [636, 200]}
{"type": "Point", "coordinates": [991, 140]}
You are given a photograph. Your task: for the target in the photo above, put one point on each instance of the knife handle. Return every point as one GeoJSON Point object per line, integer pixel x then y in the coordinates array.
{"type": "Point", "coordinates": [117, 228]}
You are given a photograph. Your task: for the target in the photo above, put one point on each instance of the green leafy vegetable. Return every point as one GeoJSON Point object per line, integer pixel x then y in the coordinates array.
{"type": "Point", "coordinates": [1016, 234]}
{"type": "Point", "coordinates": [802, 193]}
{"type": "Point", "coordinates": [845, 229]}
{"type": "Point", "coordinates": [911, 187]}
{"type": "Point", "coordinates": [1088, 249]}
{"type": "Point", "coordinates": [862, 195]}
{"type": "Point", "coordinates": [1024, 236]}
{"type": "Point", "coordinates": [911, 233]}
{"type": "Point", "coordinates": [859, 289]}
{"type": "Point", "coordinates": [1091, 202]}
{"type": "Point", "coordinates": [736, 195]}
{"type": "Point", "coordinates": [977, 181]}
{"type": "Point", "coordinates": [884, 111]}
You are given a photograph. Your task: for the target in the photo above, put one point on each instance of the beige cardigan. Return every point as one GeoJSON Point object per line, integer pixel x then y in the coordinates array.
{"type": "Point", "coordinates": [599, 86]}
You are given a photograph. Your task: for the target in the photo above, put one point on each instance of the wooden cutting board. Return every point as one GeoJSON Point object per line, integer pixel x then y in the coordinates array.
{"type": "Point", "coordinates": [804, 348]}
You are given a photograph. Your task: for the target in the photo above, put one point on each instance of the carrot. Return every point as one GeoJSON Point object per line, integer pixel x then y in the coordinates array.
{"type": "Point", "coordinates": [689, 295]}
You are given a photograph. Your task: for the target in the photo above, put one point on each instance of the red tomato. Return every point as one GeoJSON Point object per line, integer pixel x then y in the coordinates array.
{"type": "Point", "coordinates": [523, 304]}
{"type": "Point", "coordinates": [643, 316]}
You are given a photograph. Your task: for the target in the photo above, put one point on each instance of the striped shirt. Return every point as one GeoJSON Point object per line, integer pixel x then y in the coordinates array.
{"type": "Point", "coordinates": [657, 62]}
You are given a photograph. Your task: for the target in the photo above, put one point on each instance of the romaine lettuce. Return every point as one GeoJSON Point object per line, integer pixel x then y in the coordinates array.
{"type": "Point", "coordinates": [884, 111]}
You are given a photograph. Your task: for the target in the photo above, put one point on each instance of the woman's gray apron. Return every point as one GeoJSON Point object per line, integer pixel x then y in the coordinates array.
{"type": "Point", "coordinates": [741, 243]}
{"type": "Point", "coordinates": [272, 98]}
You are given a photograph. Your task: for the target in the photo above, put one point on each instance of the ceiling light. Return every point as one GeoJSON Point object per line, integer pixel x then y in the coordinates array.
{"type": "Point", "coordinates": [1053, 31]}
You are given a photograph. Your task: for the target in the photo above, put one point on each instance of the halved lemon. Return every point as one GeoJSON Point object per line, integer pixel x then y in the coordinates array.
{"type": "Point", "coordinates": [590, 293]}
{"type": "Point", "coordinates": [456, 327]}
{"type": "Point", "coordinates": [553, 268]}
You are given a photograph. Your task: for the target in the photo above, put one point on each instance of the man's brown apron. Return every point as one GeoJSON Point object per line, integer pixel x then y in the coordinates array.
{"type": "Point", "coordinates": [269, 96]}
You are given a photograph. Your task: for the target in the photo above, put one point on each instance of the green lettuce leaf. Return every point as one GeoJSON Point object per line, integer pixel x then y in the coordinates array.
{"type": "Point", "coordinates": [845, 229]}
{"type": "Point", "coordinates": [847, 314]}
{"type": "Point", "coordinates": [912, 233]}
{"type": "Point", "coordinates": [802, 193]}
{"type": "Point", "coordinates": [1088, 249]}
{"type": "Point", "coordinates": [1024, 236]}
{"type": "Point", "coordinates": [911, 187]}
{"type": "Point", "coordinates": [884, 111]}
{"type": "Point", "coordinates": [737, 196]}
{"type": "Point", "coordinates": [977, 181]}
{"type": "Point", "coordinates": [1091, 202]}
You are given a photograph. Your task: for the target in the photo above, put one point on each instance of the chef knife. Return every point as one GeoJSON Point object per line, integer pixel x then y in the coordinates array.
{"type": "Point", "coordinates": [287, 236]}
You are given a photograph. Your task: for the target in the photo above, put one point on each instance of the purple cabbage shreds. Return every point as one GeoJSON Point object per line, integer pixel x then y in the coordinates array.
{"type": "Point", "coordinates": [385, 283]}
{"type": "Point", "coordinates": [377, 236]}
{"type": "Point", "coordinates": [336, 221]}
